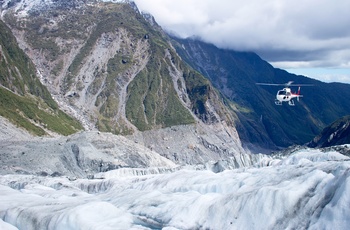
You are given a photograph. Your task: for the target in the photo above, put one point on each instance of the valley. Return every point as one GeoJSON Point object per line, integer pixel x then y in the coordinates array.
{"type": "Point", "coordinates": [108, 122]}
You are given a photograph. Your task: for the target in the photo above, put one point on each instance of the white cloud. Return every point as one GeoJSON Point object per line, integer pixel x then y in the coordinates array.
{"type": "Point", "coordinates": [316, 32]}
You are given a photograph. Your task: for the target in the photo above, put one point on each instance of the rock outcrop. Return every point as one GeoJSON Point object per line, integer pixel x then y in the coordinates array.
{"type": "Point", "coordinates": [337, 133]}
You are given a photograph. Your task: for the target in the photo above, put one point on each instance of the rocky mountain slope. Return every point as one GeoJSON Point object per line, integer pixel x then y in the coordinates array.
{"type": "Point", "coordinates": [120, 74]}
{"type": "Point", "coordinates": [24, 100]}
{"type": "Point", "coordinates": [261, 122]}
{"type": "Point", "coordinates": [84, 154]}
{"type": "Point", "coordinates": [80, 155]}
{"type": "Point", "coordinates": [337, 133]}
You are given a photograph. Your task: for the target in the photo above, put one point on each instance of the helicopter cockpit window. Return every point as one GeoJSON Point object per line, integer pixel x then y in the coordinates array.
{"type": "Point", "coordinates": [281, 92]}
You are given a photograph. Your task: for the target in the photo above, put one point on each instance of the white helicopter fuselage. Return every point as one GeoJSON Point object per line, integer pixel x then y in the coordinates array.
{"type": "Point", "coordinates": [286, 95]}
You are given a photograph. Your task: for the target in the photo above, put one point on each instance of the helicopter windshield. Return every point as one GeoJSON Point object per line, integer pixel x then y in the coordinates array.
{"type": "Point", "coordinates": [281, 92]}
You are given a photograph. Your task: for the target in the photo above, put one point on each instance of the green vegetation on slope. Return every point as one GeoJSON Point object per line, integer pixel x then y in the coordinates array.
{"type": "Point", "coordinates": [108, 18]}
{"type": "Point", "coordinates": [29, 112]}
{"type": "Point", "coordinates": [153, 99]}
{"type": "Point", "coordinates": [23, 99]}
{"type": "Point", "coordinates": [17, 72]}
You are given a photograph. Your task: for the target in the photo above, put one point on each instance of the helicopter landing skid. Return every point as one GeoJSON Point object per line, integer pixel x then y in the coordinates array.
{"type": "Point", "coordinates": [291, 103]}
{"type": "Point", "coordinates": [277, 102]}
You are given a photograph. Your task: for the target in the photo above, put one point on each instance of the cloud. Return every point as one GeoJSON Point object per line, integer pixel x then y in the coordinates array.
{"type": "Point", "coordinates": [312, 31]}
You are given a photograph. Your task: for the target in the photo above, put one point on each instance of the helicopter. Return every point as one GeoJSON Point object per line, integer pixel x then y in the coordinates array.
{"type": "Point", "coordinates": [286, 94]}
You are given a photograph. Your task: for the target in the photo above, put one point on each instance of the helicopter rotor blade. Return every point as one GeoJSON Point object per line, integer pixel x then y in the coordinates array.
{"type": "Point", "coordinates": [301, 85]}
{"type": "Point", "coordinates": [286, 84]}
{"type": "Point", "coordinates": [269, 84]}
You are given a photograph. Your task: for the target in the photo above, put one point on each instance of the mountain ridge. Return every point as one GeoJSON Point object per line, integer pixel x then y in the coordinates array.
{"type": "Point", "coordinates": [235, 75]}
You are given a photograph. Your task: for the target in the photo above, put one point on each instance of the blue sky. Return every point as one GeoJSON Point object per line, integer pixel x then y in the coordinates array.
{"type": "Point", "coordinates": [324, 74]}
{"type": "Point", "coordinates": [310, 38]}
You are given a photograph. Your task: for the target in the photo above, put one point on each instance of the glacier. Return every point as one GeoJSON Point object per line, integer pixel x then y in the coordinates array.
{"type": "Point", "coordinates": [308, 189]}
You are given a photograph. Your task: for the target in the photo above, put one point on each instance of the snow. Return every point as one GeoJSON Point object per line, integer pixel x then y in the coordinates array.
{"type": "Point", "coordinates": [308, 189]}
{"type": "Point", "coordinates": [22, 7]}
{"type": "Point", "coordinates": [6, 226]}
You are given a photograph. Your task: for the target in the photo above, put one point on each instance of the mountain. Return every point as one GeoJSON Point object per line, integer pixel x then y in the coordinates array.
{"type": "Point", "coordinates": [180, 165]}
{"type": "Point", "coordinates": [120, 74]}
{"type": "Point", "coordinates": [337, 133]}
{"type": "Point", "coordinates": [261, 122]}
{"type": "Point", "coordinates": [24, 100]}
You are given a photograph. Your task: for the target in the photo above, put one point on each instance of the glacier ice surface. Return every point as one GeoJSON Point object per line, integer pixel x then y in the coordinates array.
{"type": "Point", "coordinates": [307, 190]}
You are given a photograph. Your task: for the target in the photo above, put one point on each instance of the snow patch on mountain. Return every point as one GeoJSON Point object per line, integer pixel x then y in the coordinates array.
{"type": "Point", "coordinates": [22, 7]}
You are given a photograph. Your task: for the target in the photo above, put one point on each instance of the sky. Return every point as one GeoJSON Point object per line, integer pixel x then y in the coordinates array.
{"type": "Point", "coordinates": [310, 38]}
